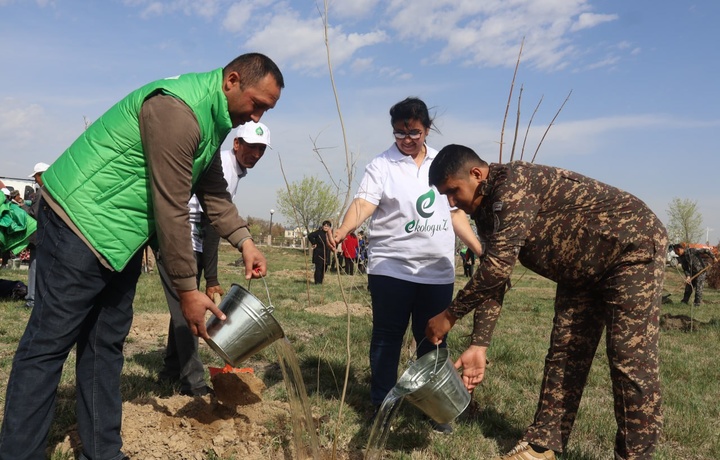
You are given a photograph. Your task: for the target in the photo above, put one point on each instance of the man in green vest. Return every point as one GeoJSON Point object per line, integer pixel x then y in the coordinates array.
{"type": "Point", "coordinates": [123, 183]}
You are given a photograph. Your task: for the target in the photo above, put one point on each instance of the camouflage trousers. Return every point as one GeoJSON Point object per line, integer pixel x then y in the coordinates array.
{"type": "Point", "coordinates": [625, 303]}
{"type": "Point", "coordinates": [698, 284]}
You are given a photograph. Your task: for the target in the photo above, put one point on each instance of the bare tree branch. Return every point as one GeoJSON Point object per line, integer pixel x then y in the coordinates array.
{"type": "Point", "coordinates": [527, 131]}
{"type": "Point", "coordinates": [507, 107]}
{"type": "Point", "coordinates": [517, 124]}
{"type": "Point", "coordinates": [548, 128]}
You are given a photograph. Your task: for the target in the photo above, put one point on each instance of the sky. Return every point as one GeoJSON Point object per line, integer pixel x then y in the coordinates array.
{"type": "Point", "coordinates": [641, 76]}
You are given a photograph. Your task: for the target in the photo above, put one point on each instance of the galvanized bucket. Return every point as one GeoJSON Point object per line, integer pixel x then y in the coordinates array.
{"type": "Point", "coordinates": [249, 327]}
{"type": "Point", "coordinates": [434, 386]}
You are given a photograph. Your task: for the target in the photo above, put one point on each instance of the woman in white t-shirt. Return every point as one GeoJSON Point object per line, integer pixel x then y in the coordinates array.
{"type": "Point", "coordinates": [411, 268]}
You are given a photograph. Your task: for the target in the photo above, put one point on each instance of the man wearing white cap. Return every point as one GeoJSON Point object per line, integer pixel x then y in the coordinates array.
{"type": "Point", "coordinates": [182, 363]}
{"type": "Point", "coordinates": [38, 170]}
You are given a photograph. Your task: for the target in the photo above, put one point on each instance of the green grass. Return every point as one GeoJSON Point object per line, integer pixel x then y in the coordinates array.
{"type": "Point", "coordinates": [503, 404]}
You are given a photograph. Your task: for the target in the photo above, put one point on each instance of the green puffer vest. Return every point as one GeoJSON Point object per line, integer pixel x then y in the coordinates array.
{"type": "Point", "coordinates": [102, 179]}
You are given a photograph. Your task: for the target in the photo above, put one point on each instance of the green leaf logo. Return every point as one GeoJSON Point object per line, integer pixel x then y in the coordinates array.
{"type": "Point", "coordinates": [259, 131]}
{"type": "Point", "coordinates": [424, 202]}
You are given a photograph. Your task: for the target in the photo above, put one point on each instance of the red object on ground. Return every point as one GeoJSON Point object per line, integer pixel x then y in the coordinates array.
{"type": "Point", "coordinates": [228, 369]}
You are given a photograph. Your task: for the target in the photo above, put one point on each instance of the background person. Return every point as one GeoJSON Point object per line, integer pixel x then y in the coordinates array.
{"type": "Point", "coordinates": [350, 252]}
{"type": "Point", "coordinates": [411, 270]}
{"type": "Point", "coordinates": [609, 277]}
{"type": "Point", "coordinates": [693, 262]}
{"type": "Point", "coordinates": [146, 154]}
{"type": "Point", "coordinates": [182, 362]}
{"type": "Point", "coordinates": [34, 209]}
{"type": "Point", "coordinates": [322, 250]}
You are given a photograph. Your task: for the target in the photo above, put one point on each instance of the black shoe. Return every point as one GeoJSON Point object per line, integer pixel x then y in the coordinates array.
{"type": "Point", "coordinates": [200, 391]}
{"type": "Point", "coordinates": [167, 378]}
{"type": "Point", "coordinates": [696, 305]}
{"type": "Point", "coordinates": [685, 302]}
{"type": "Point", "coordinates": [444, 428]}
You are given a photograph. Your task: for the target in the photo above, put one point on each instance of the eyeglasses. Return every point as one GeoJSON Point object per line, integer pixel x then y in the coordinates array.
{"type": "Point", "coordinates": [414, 135]}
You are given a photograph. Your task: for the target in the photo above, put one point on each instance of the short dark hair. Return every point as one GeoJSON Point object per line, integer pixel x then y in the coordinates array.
{"type": "Point", "coordinates": [253, 67]}
{"type": "Point", "coordinates": [411, 108]}
{"type": "Point", "coordinates": [450, 161]}
{"type": "Point", "coordinates": [326, 222]}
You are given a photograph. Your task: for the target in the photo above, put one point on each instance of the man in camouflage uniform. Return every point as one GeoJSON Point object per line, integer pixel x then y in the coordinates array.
{"type": "Point", "coordinates": [605, 250]}
{"type": "Point", "coordinates": [693, 262]}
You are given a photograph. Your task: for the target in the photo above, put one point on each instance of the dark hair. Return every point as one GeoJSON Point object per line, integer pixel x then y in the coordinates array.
{"type": "Point", "coordinates": [326, 222]}
{"type": "Point", "coordinates": [252, 68]}
{"type": "Point", "coordinates": [452, 160]}
{"type": "Point", "coordinates": [408, 109]}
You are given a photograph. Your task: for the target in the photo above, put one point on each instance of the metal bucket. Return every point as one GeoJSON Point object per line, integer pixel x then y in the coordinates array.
{"type": "Point", "coordinates": [249, 327]}
{"type": "Point", "coordinates": [434, 386]}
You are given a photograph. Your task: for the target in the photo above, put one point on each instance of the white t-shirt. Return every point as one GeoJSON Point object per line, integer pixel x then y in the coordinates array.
{"type": "Point", "coordinates": [233, 172]}
{"type": "Point", "coordinates": [411, 232]}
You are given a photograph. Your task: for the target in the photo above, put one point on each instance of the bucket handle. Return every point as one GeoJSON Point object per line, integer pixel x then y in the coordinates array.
{"type": "Point", "coordinates": [437, 355]}
{"type": "Point", "coordinates": [269, 308]}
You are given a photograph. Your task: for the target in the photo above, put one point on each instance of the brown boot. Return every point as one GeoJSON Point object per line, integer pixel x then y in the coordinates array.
{"type": "Point", "coordinates": [523, 451]}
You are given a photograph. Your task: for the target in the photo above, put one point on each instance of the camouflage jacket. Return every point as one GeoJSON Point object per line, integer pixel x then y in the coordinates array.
{"type": "Point", "coordinates": [562, 225]}
{"type": "Point", "coordinates": [694, 260]}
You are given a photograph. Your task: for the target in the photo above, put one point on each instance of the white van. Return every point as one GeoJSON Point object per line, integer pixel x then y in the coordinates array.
{"type": "Point", "coordinates": [26, 186]}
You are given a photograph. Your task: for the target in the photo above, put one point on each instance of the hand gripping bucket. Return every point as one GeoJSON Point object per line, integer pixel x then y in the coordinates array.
{"type": "Point", "coordinates": [433, 385]}
{"type": "Point", "coordinates": [249, 327]}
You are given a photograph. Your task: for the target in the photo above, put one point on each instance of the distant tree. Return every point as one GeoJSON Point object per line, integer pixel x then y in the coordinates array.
{"type": "Point", "coordinates": [685, 221]}
{"type": "Point", "coordinates": [259, 227]}
{"type": "Point", "coordinates": [309, 202]}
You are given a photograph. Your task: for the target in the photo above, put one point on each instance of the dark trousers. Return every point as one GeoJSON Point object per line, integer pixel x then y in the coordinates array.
{"type": "Point", "coordinates": [32, 276]}
{"type": "Point", "coordinates": [182, 361]}
{"type": "Point", "coordinates": [394, 303]}
{"type": "Point", "coordinates": [78, 302]}
{"type": "Point", "coordinates": [320, 269]}
{"type": "Point", "coordinates": [349, 266]}
{"type": "Point", "coordinates": [697, 284]}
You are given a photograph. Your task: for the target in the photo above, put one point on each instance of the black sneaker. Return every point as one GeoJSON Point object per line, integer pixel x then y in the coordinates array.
{"type": "Point", "coordinates": [444, 428]}
{"type": "Point", "coordinates": [200, 391]}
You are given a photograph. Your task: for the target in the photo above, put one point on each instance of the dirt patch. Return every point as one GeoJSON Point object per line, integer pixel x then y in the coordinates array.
{"type": "Point", "coordinates": [683, 323]}
{"type": "Point", "coordinates": [235, 422]}
{"type": "Point", "coordinates": [340, 309]}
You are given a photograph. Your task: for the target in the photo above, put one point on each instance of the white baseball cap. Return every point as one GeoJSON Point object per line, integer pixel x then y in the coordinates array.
{"type": "Point", "coordinates": [39, 168]}
{"type": "Point", "coordinates": [6, 191]}
{"type": "Point", "coordinates": [254, 133]}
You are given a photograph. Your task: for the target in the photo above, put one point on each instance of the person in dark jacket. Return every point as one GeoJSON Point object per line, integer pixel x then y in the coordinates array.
{"type": "Point", "coordinates": [693, 262]}
{"type": "Point", "coordinates": [322, 251]}
{"type": "Point", "coordinates": [34, 209]}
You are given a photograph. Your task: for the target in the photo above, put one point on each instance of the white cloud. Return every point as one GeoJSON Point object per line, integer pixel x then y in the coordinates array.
{"type": "Point", "coordinates": [362, 65]}
{"type": "Point", "coordinates": [349, 9]}
{"type": "Point", "coordinates": [152, 8]}
{"type": "Point", "coordinates": [18, 122]}
{"type": "Point", "coordinates": [608, 61]}
{"type": "Point", "coordinates": [588, 20]}
{"type": "Point", "coordinates": [299, 43]}
{"type": "Point", "coordinates": [489, 33]}
{"type": "Point", "coordinates": [237, 17]}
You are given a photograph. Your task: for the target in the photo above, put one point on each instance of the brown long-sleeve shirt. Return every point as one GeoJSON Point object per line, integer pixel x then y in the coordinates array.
{"type": "Point", "coordinates": [562, 225]}
{"type": "Point", "coordinates": [170, 136]}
